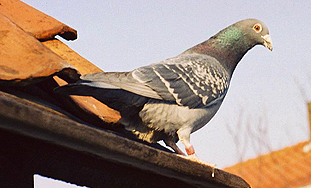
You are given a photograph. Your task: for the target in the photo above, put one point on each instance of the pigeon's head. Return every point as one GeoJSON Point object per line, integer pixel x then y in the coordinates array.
{"type": "Point", "coordinates": [229, 45]}
{"type": "Point", "coordinates": [256, 31]}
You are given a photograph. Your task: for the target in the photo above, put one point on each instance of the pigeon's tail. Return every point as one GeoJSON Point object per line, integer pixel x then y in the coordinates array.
{"type": "Point", "coordinates": [113, 96]}
{"type": "Point", "coordinates": [72, 89]}
{"type": "Point", "coordinates": [121, 81]}
{"type": "Point", "coordinates": [92, 82]}
{"type": "Point", "coordinates": [83, 88]}
{"type": "Point", "coordinates": [105, 94]}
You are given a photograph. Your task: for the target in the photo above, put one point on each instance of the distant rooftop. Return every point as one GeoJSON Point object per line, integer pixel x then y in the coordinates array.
{"type": "Point", "coordinates": [286, 168]}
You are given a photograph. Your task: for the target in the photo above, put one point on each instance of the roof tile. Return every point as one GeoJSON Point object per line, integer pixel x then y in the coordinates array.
{"type": "Point", "coordinates": [288, 167]}
{"type": "Point", "coordinates": [23, 57]}
{"type": "Point", "coordinates": [72, 57]}
{"type": "Point", "coordinates": [88, 104]}
{"type": "Point", "coordinates": [38, 24]}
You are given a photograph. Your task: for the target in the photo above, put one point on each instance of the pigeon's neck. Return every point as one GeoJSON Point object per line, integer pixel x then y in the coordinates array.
{"type": "Point", "coordinates": [228, 47]}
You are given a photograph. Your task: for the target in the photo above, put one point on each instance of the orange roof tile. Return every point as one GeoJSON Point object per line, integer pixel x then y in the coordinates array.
{"type": "Point", "coordinates": [71, 57]}
{"type": "Point", "coordinates": [38, 24]}
{"type": "Point", "coordinates": [89, 104]}
{"type": "Point", "coordinates": [93, 106]}
{"type": "Point", "coordinates": [25, 60]}
{"type": "Point", "coordinates": [287, 168]}
{"type": "Point", "coordinates": [23, 57]}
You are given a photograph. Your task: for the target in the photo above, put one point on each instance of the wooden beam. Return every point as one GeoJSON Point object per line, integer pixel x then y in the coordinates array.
{"type": "Point", "coordinates": [46, 125]}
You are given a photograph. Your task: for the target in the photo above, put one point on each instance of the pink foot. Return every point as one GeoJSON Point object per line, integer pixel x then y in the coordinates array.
{"type": "Point", "coordinates": [190, 150]}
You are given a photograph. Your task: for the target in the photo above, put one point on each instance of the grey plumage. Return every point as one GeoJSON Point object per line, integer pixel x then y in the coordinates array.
{"type": "Point", "coordinates": [170, 99]}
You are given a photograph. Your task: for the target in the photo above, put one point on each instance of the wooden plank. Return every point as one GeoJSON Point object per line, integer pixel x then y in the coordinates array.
{"type": "Point", "coordinates": [39, 122]}
{"type": "Point", "coordinates": [22, 157]}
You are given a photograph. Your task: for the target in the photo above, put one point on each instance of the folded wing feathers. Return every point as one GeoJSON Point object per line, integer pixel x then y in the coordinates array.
{"type": "Point", "coordinates": [188, 80]}
{"type": "Point", "coordinates": [120, 80]}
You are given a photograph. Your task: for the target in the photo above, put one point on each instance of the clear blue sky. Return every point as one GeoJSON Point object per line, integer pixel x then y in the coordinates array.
{"type": "Point", "coordinates": [123, 35]}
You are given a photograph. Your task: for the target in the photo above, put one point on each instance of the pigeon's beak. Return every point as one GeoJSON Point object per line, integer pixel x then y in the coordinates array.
{"type": "Point", "coordinates": [267, 42]}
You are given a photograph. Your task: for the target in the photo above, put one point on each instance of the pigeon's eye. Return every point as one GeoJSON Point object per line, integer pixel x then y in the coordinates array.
{"type": "Point", "coordinates": [257, 27]}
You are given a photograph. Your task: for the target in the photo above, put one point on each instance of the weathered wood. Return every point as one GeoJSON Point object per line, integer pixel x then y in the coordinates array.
{"type": "Point", "coordinates": [46, 125]}
{"type": "Point", "coordinates": [22, 157]}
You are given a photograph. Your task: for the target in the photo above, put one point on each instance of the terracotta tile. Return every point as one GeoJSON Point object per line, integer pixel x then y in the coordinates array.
{"type": "Point", "coordinates": [40, 25]}
{"type": "Point", "coordinates": [88, 104]}
{"type": "Point", "coordinates": [289, 167]}
{"type": "Point", "coordinates": [23, 57]}
{"type": "Point", "coordinates": [72, 57]}
{"type": "Point", "coordinates": [93, 106]}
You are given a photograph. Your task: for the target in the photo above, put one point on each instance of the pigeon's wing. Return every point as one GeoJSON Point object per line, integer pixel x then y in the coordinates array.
{"type": "Point", "coordinates": [118, 80]}
{"type": "Point", "coordinates": [190, 80]}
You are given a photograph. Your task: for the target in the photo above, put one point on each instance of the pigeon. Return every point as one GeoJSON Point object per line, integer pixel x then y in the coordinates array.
{"type": "Point", "coordinates": [173, 98]}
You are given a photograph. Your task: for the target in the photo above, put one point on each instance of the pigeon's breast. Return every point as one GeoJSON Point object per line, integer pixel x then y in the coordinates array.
{"type": "Point", "coordinates": [168, 117]}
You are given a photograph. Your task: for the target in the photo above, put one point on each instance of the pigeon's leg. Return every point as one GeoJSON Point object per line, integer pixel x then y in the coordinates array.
{"type": "Point", "coordinates": [173, 145]}
{"type": "Point", "coordinates": [184, 137]}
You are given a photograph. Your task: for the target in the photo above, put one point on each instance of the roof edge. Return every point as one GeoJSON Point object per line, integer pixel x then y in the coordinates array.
{"type": "Point", "coordinates": [64, 31]}
{"type": "Point", "coordinates": [43, 123]}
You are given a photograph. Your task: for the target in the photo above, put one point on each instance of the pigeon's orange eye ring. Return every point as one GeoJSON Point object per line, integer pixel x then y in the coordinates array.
{"type": "Point", "coordinates": [257, 28]}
